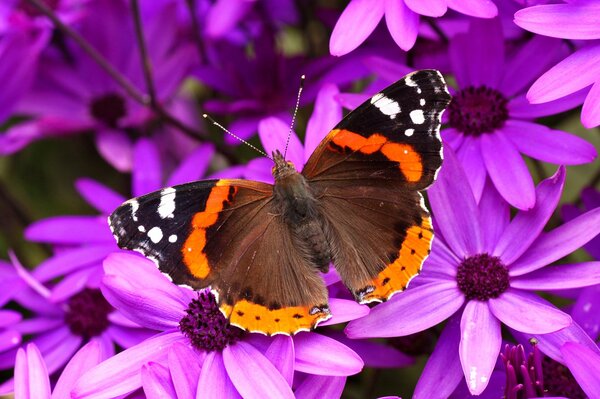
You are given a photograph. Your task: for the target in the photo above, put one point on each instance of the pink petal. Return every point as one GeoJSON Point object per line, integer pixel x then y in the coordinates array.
{"type": "Point", "coordinates": [214, 383]}
{"type": "Point", "coordinates": [184, 365]}
{"type": "Point", "coordinates": [317, 387]}
{"type": "Point", "coordinates": [87, 357]}
{"type": "Point", "coordinates": [327, 113]}
{"type": "Point", "coordinates": [357, 22]}
{"type": "Point", "coordinates": [474, 8]}
{"type": "Point", "coordinates": [344, 310]}
{"type": "Point", "coordinates": [116, 148]}
{"type": "Point", "coordinates": [479, 345]}
{"type": "Point", "coordinates": [430, 8]}
{"type": "Point", "coordinates": [321, 355]}
{"type": "Point", "coordinates": [156, 382]}
{"type": "Point", "coordinates": [585, 366]}
{"type": "Point", "coordinates": [590, 114]}
{"type": "Point", "coordinates": [402, 23]}
{"type": "Point", "coordinates": [98, 195]}
{"type": "Point", "coordinates": [31, 375]}
{"type": "Point", "coordinates": [273, 133]}
{"type": "Point", "coordinates": [281, 354]}
{"type": "Point", "coordinates": [565, 21]}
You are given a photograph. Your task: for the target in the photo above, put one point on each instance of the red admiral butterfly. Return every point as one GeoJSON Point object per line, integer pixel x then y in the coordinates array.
{"type": "Point", "coordinates": [357, 203]}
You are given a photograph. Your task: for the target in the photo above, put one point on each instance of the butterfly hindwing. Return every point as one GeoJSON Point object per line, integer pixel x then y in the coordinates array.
{"type": "Point", "coordinates": [224, 234]}
{"type": "Point", "coordinates": [368, 174]}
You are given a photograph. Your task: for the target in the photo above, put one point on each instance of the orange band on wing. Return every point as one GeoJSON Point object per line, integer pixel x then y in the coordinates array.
{"type": "Point", "coordinates": [193, 249]}
{"type": "Point", "coordinates": [409, 160]}
{"type": "Point", "coordinates": [258, 318]}
{"type": "Point", "coordinates": [396, 276]}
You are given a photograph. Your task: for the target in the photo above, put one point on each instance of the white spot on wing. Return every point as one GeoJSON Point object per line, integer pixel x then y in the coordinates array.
{"type": "Point", "coordinates": [417, 116]}
{"type": "Point", "coordinates": [386, 105]}
{"type": "Point", "coordinates": [422, 102]}
{"type": "Point", "coordinates": [155, 234]}
{"type": "Point", "coordinates": [167, 203]}
{"type": "Point", "coordinates": [409, 132]}
{"type": "Point", "coordinates": [141, 228]}
{"type": "Point", "coordinates": [134, 208]}
{"type": "Point", "coordinates": [409, 81]}
{"type": "Point", "coordinates": [172, 238]}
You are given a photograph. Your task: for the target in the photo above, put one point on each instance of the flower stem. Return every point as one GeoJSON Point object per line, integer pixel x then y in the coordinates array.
{"type": "Point", "coordinates": [146, 63]}
{"type": "Point", "coordinates": [196, 28]}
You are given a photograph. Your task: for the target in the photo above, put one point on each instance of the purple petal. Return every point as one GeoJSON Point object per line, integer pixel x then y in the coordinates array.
{"type": "Point", "coordinates": [156, 382]}
{"type": "Point", "coordinates": [374, 354]}
{"type": "Point", "coordinates": [146, 175]}
{"type": "Point", "coordinates": [520, 107]}
{"type": "Point", "coordinates": [559, 277]}
{"type": "Point", "coordinates": [421, 307]}
{"type": "Point", "coordinates": [281, 354]}
{"type": "Point", "coordinates": [193, 166]}
{"type": "Point", "coordinates": [214, 381]}
{"type": "Point", "coordinates": [72, 284]}
{"type": "Point", "coordinates": [98, 195]}
{"type": "Point", "coordinates": [554, 146]}
{"type": "Point", "coordinates": [318, 386]}
{"type": "Point", "coordinates": [184, 364]}
{"type": "Point", "coordinates": [121, 373]}
{"type": "Point", "coordinates": [495, 216]}
{"type": "Point", "coordinates": [321, 355]}
{"type": "Point", "coordinates": [402, 23]}
{"type": "Point", "coordinates": [565, 21]}
{"type": "Point", "coordinates": [224, 15]}
{"type": "Point", "coordinates": [245, 366]}
{"type": "Point", "coordinates": [452, 137]}
{"type": "Point", "coordinates": [344, 310]}
{"type": "Point", "coordinates": [515, 183]}
{"type": "Point", "coordinates": [474, 8]}
{"type": "Point", "coordinates": [479, 345]}
{"type": "Point", "coordinates": [116, 148]}
{"type": "Point", "coordinates": [430, 8]}
{"type": "Point", "coordinates": [327, 113]}
{"type": "Point", "coordinates": [586, 311]}
{"type": "Point", "coordinates": [528, 313]}
{"type": "Point", "coordinates": [581, 68]}
{"type": "Point", "coordinates": [585, 366]}
{"type": "Point", "coordinates": [31, 376]}
{"type": "Point", "coordinates": [273, 133]}
{"type": "Point", "coordinates": [355, 24]}
{"type": "Point", "coordinates": [590, 114]}
{"type": "Point", "coordinates": [527, 225]}
{"type": "Point", "coordinates": [59, 349]}
{"type": "Point", "coordinates": [454, 207]}
{"type": "Point", "coordinates": [351, 100]}
{"type": "Point", "coordinates": [443, 370]}
{"type": "Point", "coordinates": [72, 260]}
{"type": "Point", "coordinates": [70, 230]}
{"type": "Point", "coordinates": [557, 243]}
{"type": "Point", "coordinates": [470, 158]}
{"type": "Point", "coordinates": [87, 357]}
{"type": "Point", "coordinates": [259, 169]}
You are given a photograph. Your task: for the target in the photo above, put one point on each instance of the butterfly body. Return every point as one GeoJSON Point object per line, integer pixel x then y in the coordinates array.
{"type": "Point", "coordinates": [357, 204]}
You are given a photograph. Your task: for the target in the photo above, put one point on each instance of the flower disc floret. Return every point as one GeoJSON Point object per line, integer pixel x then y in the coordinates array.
{"type": "Point", "coordinates": [482, 277]}
{"type": "Point", "coordinates": [108, 109]}
{"type": "Point", "coordinates": [87, 313]}
{"type": "Point", "coordinates": [478, 110]}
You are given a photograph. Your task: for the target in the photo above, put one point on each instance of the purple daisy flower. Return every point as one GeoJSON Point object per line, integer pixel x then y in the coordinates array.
{"type": "Point", "coordinates": [31, 373]}
{"type": "Point", "coordinates": [199, 346]}
{"type": "Point", "coordinates": [82, 242]}
{"type": "Point", "coordinates": [64, 100]}
{"type": "Point", "coordinates": [481, 273]}
{"type": "Point", "coordinates": [361, 17]}
{"type": "Point", "coordinates": [490, 121]}
{"type": "Point", "coordinates": [576, 20]}
{"type": "Point", "coordinates": [584, 363]}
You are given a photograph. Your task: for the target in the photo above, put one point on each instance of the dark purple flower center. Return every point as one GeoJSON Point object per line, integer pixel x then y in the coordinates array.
{"type": "Point", "coordinates": [559, 381]}
{"type": "Point", "coordinates": [524, 378]}
{"type": "Point", "coordinates": [87, 313]}
{"type": "Point", "coordinates": [108, 109]}
{"type": "Point", "coordinates": [482, 277]}
{"type": "Point", "coordinates": [478, 110]}
{"type": "Point", "coordinates": [205, 325]}
{"type": "Point", "coordinates": [32, 10]}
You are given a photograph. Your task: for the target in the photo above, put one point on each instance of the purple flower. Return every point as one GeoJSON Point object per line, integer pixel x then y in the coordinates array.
{"type": "Point", "coordinates": [199, 346]}
{"type": "Point", "coordinates": [577, 20]}
{"type": "Point", "coordinates": [361, 17]}
{"type": "Point", "coordinates": [584, 363]}
{"type": "Point", "coordinates": [64, 100]}
{"type": "Point", "coordinates": [31, 374]}
{"type": "Point", "coordinates": [490, 121]}
{"type": "Point", "coordinates": [83, 242]}
{"type": "Point", "coordinates": [481, 273]}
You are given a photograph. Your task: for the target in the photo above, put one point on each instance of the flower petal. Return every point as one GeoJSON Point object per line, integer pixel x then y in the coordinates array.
{"type": "Point", "coordinates": [528, 313]}
{"type": "Point", "coordinates": [443, 370]}
{"type": "Point", "coordinates": [115, 147]}
{"type": "Point", "coordinates": [581, 68]}
{"type": "Point", "coordinates": [321, 355]}
{"type": "Point", "coordinates": [495, 216]}
{"type": "Point", "coordinates": [454, 207]}
{"type": "Point", "coordinates": [515, 183]}
{"type": "Point", "coordinates": [184, 365]}
{"type": "Point", "coordinates": [273, 133]}
{"type": "Point", "coordinates": [72, 260]}
{"type": "Point", "coordinates": [479, 345]}
{"type": "Point", "coordinates": [344, 310]}
{"type": "Point", "coordinates": [357, 22]}
{"type": "Point", "coordinates": [31, 375]}
{"type": "Point", "coordinates": [420, 308]}
{"type": "Point", "coordinates": [121, 373]}
{"type": "Point", "coordinates": [281, 354]}
{"type": "Point", "coordinates": [527, 225]}
{"type": "Point", "coordinates": [585, 366]}
{"type": "Point", "coordinates": [402, 23]}
{"type": "Point", "coordinates": [559, 277]}
{"type": "Point", "coordinates": [98, 195]}
{"type": "Point", "coordinates": [565, 21]}
{"type": "Point", "coordinates": [474, 8]}
{"type": "Point", "coordinates": [194, 166]}
{"type": "Point", "coordinates": [327, 113]}
{"type": "Point", "coordinates": [430, 8]}
{"type": "Point", "coordinates": [214, 381]}
{"type": "Point", "coordinates": [319, 386]}
{"type": "Point", "coordinates": [470, 158]}
{"type": "Point", "coordinates": [590, 114]}
{"type": "Point", "coordinates": [557, 243]}
{"type": "Point", "coordinates": [156, 382]}
{"type": "Point", "coordinates": [87, 357]}
{"type": "Point", "coordinates": [374, 354]}
{"type": "Point", "coordinates": [70, 230]}
{"type": "Point", "coordinates": [586, 311]}
{"type": "Point", "coordinates": [245, 366]}
{"type": "Point", "coordinates": [520, 107]}
{"type": "Point", "coordinates": [554, 146]}
{"type": "Point", "coordinates": [146, 175]}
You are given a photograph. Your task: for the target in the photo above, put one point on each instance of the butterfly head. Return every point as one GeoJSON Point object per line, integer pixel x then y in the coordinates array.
{"type": "Point", "coordinates": [282, 167]}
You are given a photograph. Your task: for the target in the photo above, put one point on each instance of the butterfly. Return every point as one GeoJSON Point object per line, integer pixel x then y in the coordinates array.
{"type": "Point", "coordinates": [357, 204]}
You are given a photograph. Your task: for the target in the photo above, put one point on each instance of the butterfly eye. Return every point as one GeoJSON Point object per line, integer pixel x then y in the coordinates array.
{"type": "Point", "coordinates": [289, 163]}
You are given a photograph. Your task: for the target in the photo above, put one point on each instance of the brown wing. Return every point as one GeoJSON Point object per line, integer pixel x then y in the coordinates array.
{"type": "Point", "coordinates": [222, 234]}
{"type": "Point", "coordinates": [367, 174]}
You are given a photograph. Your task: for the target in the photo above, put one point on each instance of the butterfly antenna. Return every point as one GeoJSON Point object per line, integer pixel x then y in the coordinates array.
{"type": "Point", "coordinates": [217, 124]}
{"type": "Point", "coordinates": [287, 143]}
